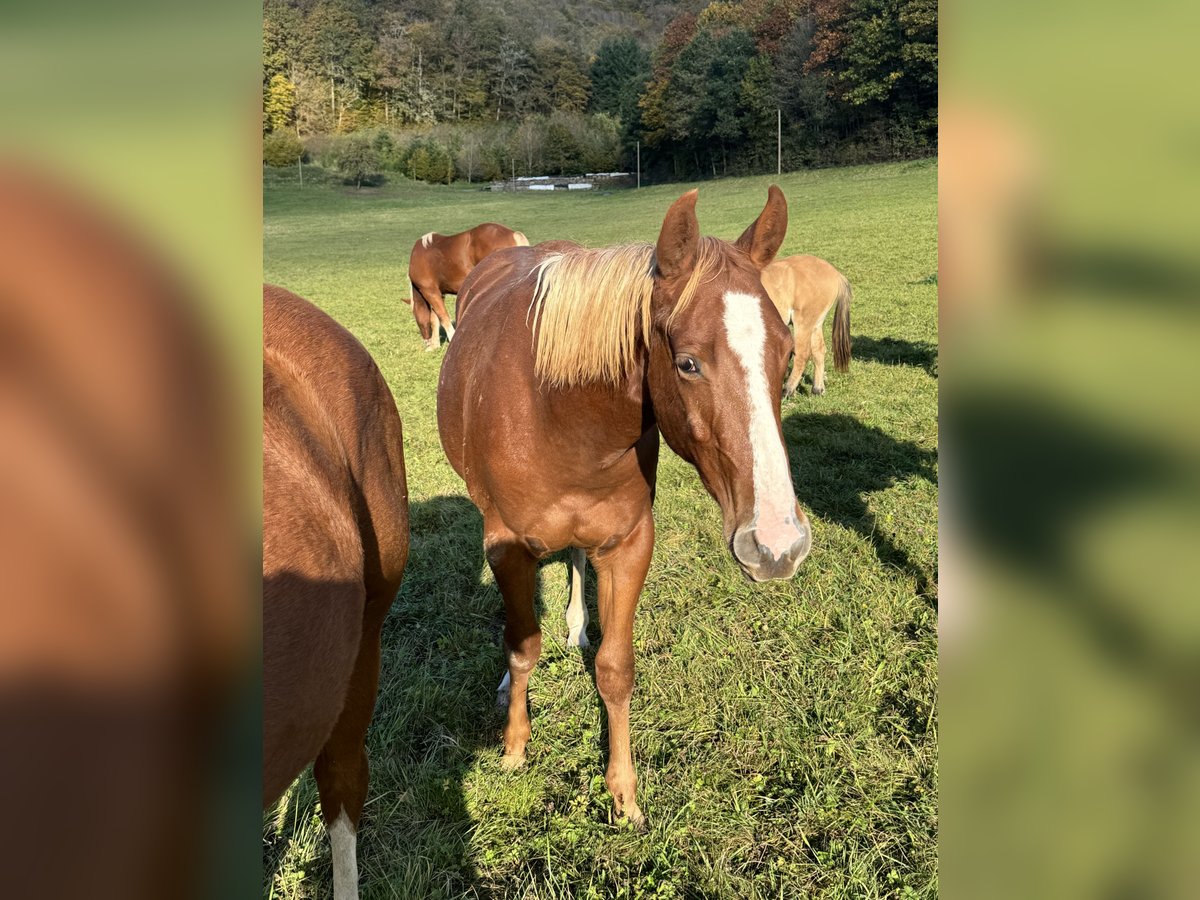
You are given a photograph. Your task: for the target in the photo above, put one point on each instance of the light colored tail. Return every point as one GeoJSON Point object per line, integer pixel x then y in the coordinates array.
{"type": "Point", "coordinates": [521, 240]}
{"type": "Point", "coordinates": [841, 327]}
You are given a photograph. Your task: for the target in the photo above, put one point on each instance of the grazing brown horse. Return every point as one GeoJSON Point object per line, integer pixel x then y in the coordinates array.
{"type": "Point", "coordinates": [335, 541]}
{"type": "Point", "coordinates": [550, 403]}
{"type": "Point", "coordinates": [439, 263]}
{"type": "Point", "coordinates": [804, 289]}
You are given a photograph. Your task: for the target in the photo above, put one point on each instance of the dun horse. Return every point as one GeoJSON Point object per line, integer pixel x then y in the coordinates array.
{"type": "Point", "coordinates": [804, 289]}
{"type": "Point", "coordinates": [335, 541]}
{"type": "Point", "coordinates": [568, 366]}
{"type": "Point", "coordinates": [439, 263]}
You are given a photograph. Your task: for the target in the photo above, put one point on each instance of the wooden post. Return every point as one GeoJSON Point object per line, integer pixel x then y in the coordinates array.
{"type": "Point", "coordinates": [639, 164]}
{"type": "Point", "coordinates": [778, 142]}
{"type": "Point", "coordinates": [300, 166]}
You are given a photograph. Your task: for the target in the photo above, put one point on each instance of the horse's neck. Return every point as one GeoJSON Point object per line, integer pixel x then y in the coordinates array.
{"type": "Point", "coordinates": [608, 420]}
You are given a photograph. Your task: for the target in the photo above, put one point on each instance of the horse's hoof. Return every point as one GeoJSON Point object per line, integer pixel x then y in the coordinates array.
{"type": "Point", "coordinates": [581, 640]}
{"type": "Point", "coordinates": [818, 391]}
{"type": "Point", "coordinates": [634, 816]}
{"type": "Point", "coordinates": [511, 762]}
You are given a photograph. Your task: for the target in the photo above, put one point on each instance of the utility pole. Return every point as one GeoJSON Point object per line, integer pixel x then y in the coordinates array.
{"type": "Point", "coordinates": [778, 142]}
{"type": "Point", "coordinates": [639, 164]}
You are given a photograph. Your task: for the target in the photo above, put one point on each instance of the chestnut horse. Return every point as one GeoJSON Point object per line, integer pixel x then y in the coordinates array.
{"type": "Point", "coordinates": [335, 541]}
{"type": "Point", "coordinates": [439, 263]}
{"type": "Point", "coordinates": [550, 404]}
{"type": "Point", "coordinates": [804, 289]}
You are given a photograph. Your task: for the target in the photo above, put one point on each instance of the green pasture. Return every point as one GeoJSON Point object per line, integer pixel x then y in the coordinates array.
{"type": "Point", "coordinates": [785, 735]}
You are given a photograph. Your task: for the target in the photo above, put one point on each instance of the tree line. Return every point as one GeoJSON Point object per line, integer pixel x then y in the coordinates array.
{"type": "Point", "coordinates": [481, 89]}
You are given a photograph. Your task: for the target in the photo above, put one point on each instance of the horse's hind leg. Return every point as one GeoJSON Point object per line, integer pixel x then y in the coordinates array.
{"type": "Point", "coordinates": [799, 362]}
{"type": "Point", "coordinates": [516, 574]}
{"type": "Point", "coordinates": [818, 352]}
{"type": "Point", "coordinates": [577, 612]}
{"type": "Point", "coordinates": [341, 768]}
{"type": "Point", "coordinates": [423, 313]}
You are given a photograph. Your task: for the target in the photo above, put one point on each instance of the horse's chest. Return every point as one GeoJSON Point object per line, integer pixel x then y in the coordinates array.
{"type": "Point", "coordinates": [550, 522]}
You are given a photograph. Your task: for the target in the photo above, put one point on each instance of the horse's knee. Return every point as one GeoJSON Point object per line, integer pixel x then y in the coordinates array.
{"type": "Point", "coordinates": [614, 679]}
{"type": "Point", "coordinates": [522, 658]}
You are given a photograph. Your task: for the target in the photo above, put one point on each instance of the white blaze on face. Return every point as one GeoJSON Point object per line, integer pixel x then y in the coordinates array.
{"type": "Point", "coordinates": [774, 503]}
{"type": "Point", "coordinates": [345, 858]}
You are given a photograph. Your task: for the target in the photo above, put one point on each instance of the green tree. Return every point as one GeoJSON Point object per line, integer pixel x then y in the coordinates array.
{"type": "Point", "coordinates": [561, 151]}
{"type": "Point", "coordinates": [282, 148]}
{"type": "Point", "coordinates": [618, 74]}
{"type": "Point", "coordinates": [334, 45]}
{"type": "Point", "coordinates": [430, 160]}
{"type": "Point", "coordinates": [357, 160]}
{"type": "Point", "coordinates": [560, 82]}
{"type": "Point", "coordinates": [809, 111]}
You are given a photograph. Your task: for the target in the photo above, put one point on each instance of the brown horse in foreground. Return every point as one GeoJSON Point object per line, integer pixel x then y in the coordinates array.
{"type": "Point", "coordinates": [550, 403]}
{"type": "Point", "coordinates": [439, 263]}
{"type": "Point", "coordinates": [804, 289]}
{"type": "Point", "coordinates": [335, 541]}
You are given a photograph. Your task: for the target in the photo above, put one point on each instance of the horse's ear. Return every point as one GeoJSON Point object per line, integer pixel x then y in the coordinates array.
{"type": "Point", "coordinates": [764, 237]}
{"type": "Point", "coordinates": [679, 240]}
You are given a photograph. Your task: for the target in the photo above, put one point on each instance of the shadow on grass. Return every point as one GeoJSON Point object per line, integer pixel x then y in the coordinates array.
{"type": "Point", "coordinates": [896, 352]}
{"type": "Point", "coordinates": [1033, 474]}
{"type": "Point", "coordinates": [837, 462]}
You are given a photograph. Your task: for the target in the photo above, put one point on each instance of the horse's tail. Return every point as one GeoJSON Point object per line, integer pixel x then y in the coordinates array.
{"type": "Point", "coordinates": [841, 327]}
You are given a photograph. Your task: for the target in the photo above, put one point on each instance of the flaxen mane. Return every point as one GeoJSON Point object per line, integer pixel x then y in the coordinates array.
{"type": "Point", "coordinates": [591, 307]}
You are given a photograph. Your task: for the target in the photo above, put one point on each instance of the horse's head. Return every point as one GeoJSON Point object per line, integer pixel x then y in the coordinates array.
{"type": "Point", "coordinates": [719, 351]}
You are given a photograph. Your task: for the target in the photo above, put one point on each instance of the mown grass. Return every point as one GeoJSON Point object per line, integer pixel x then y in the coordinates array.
{"type": "Point", "coordinates": [784, 734]}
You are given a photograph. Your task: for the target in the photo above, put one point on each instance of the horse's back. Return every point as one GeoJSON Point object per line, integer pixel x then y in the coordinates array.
{"type": "Point", "coordinates": [802, 287]}
{"type": "Point", "coordinates": [335, 523]}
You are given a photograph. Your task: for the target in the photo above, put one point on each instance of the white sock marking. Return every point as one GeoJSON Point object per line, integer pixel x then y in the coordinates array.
{"type": "Point", "coordinates": [504, 690]}
{"type": "Point", "coordinates": [345, 858]}
{"type": "Point", "coordinates": [774, 502]}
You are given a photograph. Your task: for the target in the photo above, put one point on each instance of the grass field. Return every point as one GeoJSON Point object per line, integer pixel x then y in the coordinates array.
{"type": "Point", "coordinates": [784, 734]}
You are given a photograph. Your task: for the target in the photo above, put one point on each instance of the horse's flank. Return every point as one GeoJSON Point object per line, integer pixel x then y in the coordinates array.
{"type": "Point", "coordinates": [591, 309]}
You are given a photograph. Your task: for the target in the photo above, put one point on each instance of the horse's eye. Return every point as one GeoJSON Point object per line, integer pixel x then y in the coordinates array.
{"type": "Point", "coordinates": [687, 366]}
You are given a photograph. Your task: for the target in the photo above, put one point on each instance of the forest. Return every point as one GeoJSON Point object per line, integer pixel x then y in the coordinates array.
{"type": "Point", "coordinates": [441, 90]}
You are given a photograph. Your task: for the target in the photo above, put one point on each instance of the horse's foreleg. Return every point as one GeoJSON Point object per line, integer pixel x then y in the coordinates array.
{"type": "Point", "coordinates": [516, 574]}
{"type": "Point", "coordinates": [620, 574]}
{"type": "Point", "coordinates": [341, 768]}
{"type": "Point", "coordinates": [577, 611]}
{"type": "Point", "coordinates": [438, 302]}
{"type": "Point", "coordinates": [423, 313]}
